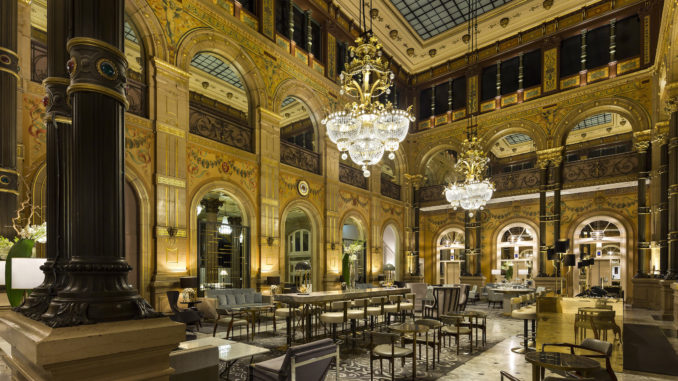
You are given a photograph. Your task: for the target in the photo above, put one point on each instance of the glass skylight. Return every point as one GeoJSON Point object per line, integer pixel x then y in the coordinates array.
{"type": "Point", "coordinates": [214, 66]}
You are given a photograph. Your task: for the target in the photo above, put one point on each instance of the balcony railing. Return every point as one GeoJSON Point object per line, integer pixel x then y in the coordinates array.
{"type": "Point", "coordinates": [352, 176]}
{"type": "Point", "coordinates": [390, 189]}
{"type": "Point", "coordinates": [618, 167]}
{"type": "Point", "coordinates": [299, 157]}
{"type": "Point", "coordinates": [431, 193]}
{"type": "Point", "coordinates": [526, 181]}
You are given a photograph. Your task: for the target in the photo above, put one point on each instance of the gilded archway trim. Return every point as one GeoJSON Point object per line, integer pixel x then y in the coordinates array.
{"type": "Point", "coordinates": [145, 240]}
{"type": "Point", "coordinates": [151, 33]}
{"type": "Point", "coordinates": [318, 256]}
{"type": "Point", "coordinates": [531, 129]}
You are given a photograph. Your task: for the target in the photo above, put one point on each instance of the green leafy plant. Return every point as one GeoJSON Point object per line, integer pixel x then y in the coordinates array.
{"type": "Point", "coordinates": [509, 273]}
{"type": "Point", "coordinates": [350, 255]}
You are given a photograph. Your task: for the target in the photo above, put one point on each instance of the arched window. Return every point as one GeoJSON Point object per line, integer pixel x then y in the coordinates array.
{"type": "Point", "coordinates": [440, 168]}
{"type": "Point", "coordinates": [600, 251]}
{"type": "Point", "coordinates": [136, 72]}
{"type": "Point", "coordinates": [352, 231]}
{"type": "Point", "coordinates": [450, 249]}
{"type": "Point", "coordinates": [603, 134]}
{"type": "Point", "coordinates": [299, 243]}
{"type": "Point", "coordinates": [298, 138]}
{"type": "Point", "coordinates": [219, 103]}
{"type": "Point", "coordinates": [223, 243]}
{"type": "Point", "coordinates": [517, 249]}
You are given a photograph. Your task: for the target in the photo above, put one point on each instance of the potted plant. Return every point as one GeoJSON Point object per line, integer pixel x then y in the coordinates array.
{"type": "Point", "coordinates": [348, 260]}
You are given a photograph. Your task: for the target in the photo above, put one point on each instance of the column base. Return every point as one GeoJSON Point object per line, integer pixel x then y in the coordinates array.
{"type": "Point", "coordinates": [132, 349]}
{"type": "Point", "coordinates": [646, 293]}
{"type": "Point", "coordinates": [666, 300]}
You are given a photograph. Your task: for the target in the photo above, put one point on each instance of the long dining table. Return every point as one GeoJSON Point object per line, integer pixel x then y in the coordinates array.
{"type": "Point", "coordinates": [306, 300]}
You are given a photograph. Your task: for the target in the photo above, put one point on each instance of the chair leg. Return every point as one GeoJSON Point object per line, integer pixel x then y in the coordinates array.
{"type": "Point", "coordinates": [371, 370]}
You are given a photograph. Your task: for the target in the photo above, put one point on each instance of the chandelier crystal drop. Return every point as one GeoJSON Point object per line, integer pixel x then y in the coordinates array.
{"type": "Point", "coordinates": [365, 129]}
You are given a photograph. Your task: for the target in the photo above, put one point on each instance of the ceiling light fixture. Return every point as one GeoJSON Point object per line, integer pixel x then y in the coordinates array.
{"type": "Point", "coordinates": [475, 191]}
{"type": "Point", "coordinates": [365, 129]}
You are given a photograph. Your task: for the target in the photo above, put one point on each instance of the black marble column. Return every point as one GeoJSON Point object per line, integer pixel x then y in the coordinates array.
{"type": "Point", "coordinates": [97, 289]}
{"type": "Point", "coordinates": [672, 264]}
{"type": "Point", "coordinates": [9, 77]}
{"type": "Point", "coordinates": [479, 239]}
{"type": "Point", "coordinates": [58, 122]}
{"type": "Point", "coordinates": [643, 210]}
{"type": "Point", "coordinates": [415, 227]}
{"type": "Point", "coordinates": [543, 219]}
{"type": "Point", "coordinates": [556, 167]}
{"type": "Point", "coordinates": [467, 243]}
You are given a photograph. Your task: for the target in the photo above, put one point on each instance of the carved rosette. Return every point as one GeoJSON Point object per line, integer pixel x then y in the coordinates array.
{"type": "Point", "coordinates": [96, 66]}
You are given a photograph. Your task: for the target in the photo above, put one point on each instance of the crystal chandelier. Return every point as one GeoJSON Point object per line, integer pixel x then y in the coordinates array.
{"type": "Point", "coordinates": [475, 191]}
{"type": "Point", "coordinates": [366, 129]}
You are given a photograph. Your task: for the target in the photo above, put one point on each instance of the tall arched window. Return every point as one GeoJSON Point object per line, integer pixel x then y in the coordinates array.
{"type": "Point", "coordinates": [449, 250]}
{"type": "Point", "coordinates": [298, 138]}
{"type": "Point", "coordinates": [517, 249]}
{"type": "Point", "coordinates": [136, 71]}
{"type": "Point", "coordinates": [219, 103]}
{"type": "Point", "coordinates": [600, 242]}
{"type": "Point", "coordinates": [299, 243]}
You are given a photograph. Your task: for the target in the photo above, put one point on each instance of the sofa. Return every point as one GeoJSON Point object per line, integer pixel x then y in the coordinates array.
{"type": "Point", "coordinates": [229, 298]}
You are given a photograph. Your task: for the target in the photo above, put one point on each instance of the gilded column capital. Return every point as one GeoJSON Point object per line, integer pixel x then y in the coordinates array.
{"type": "Point", "coordinates": [269, 116]}
{"type": "Point", "coordinates": [211, 205]}
{"type": "Point", "coordinates": [550, 157]}
{"type": "Point", "coordinates": [171, 70]}
{"type": "Point", "coordinates": [641, 140]}
{"type": "Point", "coordinates": [415, 180]}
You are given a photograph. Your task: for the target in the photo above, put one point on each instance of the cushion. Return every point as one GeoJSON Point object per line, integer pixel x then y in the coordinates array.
{"type": "Point", "coordinates": [208, 308]}
{"type": "Point", "coordinates": [222, 300]}
{"type": "Point", "coordinates": [231, 300]}
{"type": "Point", "coordinates": [249, 298]}
{"type": "Point", "coordinates": [240, 299]}
{"type": "Point", "coordinates": [386, 350]}
{"type": "Point", "coordinates": [258, 298]}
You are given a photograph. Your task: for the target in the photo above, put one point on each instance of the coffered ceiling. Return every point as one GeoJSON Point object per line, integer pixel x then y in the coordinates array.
{"type": "Point", "coordinates": [420, 34]}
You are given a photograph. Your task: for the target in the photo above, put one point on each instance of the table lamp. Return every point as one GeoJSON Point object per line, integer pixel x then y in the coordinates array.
{"type": "Point", "coordinates": [189, 284]}
{"type": "Point", "coordinates": [304, 268]}
{"type": "Point", "coordinates": [389, 268]}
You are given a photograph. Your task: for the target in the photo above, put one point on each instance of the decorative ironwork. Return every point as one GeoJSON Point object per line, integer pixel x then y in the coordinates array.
{"type": "Point", "coordinates": [216, 121]}
{"type": "Point", "coordinates": [299, 157]}
{"type": "Point", "coordinates": [432, 193]}
{"type": "Point", "coordinates": [390, 189]}
{"type": "Point", "coordinates": [525, 180]}
{"type": "Point", "coordinates": [625, 164]}
{"type": "Point", "coordinates": [352, 176]}
{"type": "Point", "coordinates": [38, 61]}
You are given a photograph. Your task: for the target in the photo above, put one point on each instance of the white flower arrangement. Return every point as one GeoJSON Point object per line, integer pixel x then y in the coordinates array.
{"type": "Point", "coordinates": [353, 250]}
{"type": "Point", "coordinates": [38, 233]}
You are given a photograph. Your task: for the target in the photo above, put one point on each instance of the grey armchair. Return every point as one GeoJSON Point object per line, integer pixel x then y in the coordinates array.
{"type": "Point", "coordinates": [307, 362]}
{"type": "Point", "coordinates": [494, 298]}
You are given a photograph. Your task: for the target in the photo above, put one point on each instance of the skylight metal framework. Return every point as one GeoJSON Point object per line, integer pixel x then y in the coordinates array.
{"type": "Point", "coordinates": [214, 66]}
{"type": "Point", "coordinates": [430, 18]}
{"type": "Point", "coordinates": [130, 34]}
{"type": "Point", "coordinates": [595, 120]}
{"type": "Point", "coordinates": [517, 139]}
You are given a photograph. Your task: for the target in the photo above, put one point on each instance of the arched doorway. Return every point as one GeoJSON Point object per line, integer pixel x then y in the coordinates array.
{"type": "Point", "coordinates": [132, 234]}
{"type": "Point", "coordinates": [223, 242]}
{"type": "Point", "coordinates": [517, 248]}
{"type": "Point", "coordinates": [449, 250]}
{"type": "Point", "coordinates": [600, 252]}
{"type": "Point", "coordinates": [352, 231]}
{"type": "Point", "coordinates": [299, 243]}
{"type": "Point", "coordinates": [391, 249]}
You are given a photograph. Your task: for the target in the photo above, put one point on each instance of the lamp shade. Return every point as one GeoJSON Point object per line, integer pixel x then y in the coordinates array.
{"type": "Point", "coordinates": [389, 267]}
{"type": "Point", "coordinates": [26, 273]}
{"type": "Point", "coordinates": [302, 266]}
{"type": "Point", "coordinates": [188, 282]}
{"type": "Point", "coordinates": [496, 272]}
{"type": "Point", "coordinates": [523, 272]}
{"type": "Point", "coordinates": [562, 246]}
{"type": "Point", "coordinates": [569, 260]}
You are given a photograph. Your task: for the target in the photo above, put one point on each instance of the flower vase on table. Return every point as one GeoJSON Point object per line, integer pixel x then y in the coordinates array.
{"type": "Point", "coordinates": [352, 275]}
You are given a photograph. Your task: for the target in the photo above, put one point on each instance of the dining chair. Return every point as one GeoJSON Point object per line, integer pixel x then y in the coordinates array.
{"type": "Point", "coordinates": [383, 346]}
{"type": "Point", "coordinates": [508, 376]}
{"type": "Point", "coordinates": [334, 317]}
{"type": "Point", "coordinates": [306, 362]}
{"type": "Point", "coordinates": [596, 349]}
{"type": "Point", "coordinates": [453, 326]}
{"type": "Point", "coordinates": [431, 339]}
{"type": "Point", "coordinates": [231, 319]}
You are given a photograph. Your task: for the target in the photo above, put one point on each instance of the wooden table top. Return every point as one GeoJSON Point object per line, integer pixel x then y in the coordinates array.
{"type": "Point", "coordinates": [330, 296]}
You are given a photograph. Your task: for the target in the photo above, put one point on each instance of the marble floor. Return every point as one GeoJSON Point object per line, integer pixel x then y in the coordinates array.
{"type": "Point", "coordinates": [486, 366]}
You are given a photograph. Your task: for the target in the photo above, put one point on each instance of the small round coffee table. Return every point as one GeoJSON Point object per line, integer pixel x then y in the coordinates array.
{"type": "Point", "coordinates": [559, 361]}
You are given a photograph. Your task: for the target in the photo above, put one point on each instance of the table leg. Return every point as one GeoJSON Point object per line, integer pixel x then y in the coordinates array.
{"type": "Point", "coordinates": [253, 316]}
{"type": "Point", "coordinates": [309, 331]}
{"type": "Point", "coordinates": [536, 372]}
{"type": "Point", "coordinates": [227, 369]}
{"type": "Point", "coordinates": [414, 356]}
{"type": "Point", "coordinates": [290, 324]}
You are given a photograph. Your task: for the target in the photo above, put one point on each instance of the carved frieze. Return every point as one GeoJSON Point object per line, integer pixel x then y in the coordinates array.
{"type": "Point", "coordinates": [526, 180]}
{"type": "Point", "coordinates": [390, 189]}
{"type": "Point", "coordinates": [607, 166]}
{"type": "Point", "coordinates": [299, 157]}
{"type": "Point", "coordinates": [219, 122]}
{"type": "Point", "coordinates": [352, 176]}
{"type": "Point", "coordinates": [431, 193]}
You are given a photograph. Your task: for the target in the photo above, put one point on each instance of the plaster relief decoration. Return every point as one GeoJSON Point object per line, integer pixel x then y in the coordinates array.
{"type": "Point", "coordinates": [349, 199]}
{"type": "Point", "coordinates": [624, 204]}
{"type": "Point", "coordinates": [289, 190]}
{"type": "Point", "coordinates": [35, 127]}
{"type": "Point", "coordinates": [391, 209]}
{"type": "Point", "coordinates": [138, 147]}
{"type": "Point", "coordinates": [203, 164]}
